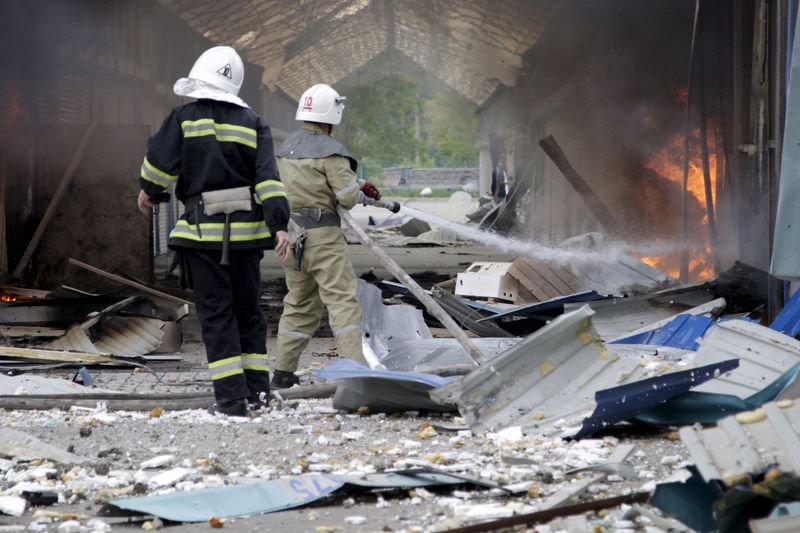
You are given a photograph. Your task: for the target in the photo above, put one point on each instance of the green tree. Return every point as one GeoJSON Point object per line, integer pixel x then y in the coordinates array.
{"type": "Point", "coordinates": [380, 123]}
{"type": "Point", "coordinates": [451, 125]}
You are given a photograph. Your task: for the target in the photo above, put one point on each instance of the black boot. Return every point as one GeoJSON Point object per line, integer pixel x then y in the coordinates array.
{"type": "Point", "coordinates": [283, 380]}
{"type": "Point", "coordinates": [230, 408]}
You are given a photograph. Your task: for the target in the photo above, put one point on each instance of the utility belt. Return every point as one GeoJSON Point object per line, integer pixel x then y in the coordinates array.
{"type": "Point", "coordinates": [314, 217]}
{"type": "Point", "coordinates": [223, 201]}
{"type": "Point", "coordinates": [306, 218]}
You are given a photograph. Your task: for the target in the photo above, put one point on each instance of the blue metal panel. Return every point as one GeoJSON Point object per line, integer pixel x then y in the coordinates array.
{"type": "Point", "coordinates": [625, 402]}
{"type": "Point", "coordinates": [788, 320]}
{"type": "Point", "coordinates": [681, 332]}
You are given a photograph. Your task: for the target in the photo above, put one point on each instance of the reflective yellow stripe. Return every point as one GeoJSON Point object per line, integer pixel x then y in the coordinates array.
{"type": "Point", "coordinates": [212, 231]}
{"type": "Point", "coordinates": [270, 189]}
{"type": "Point", "coordinates": [229, 366]}
{"type": "Point", "coordinates": [254, 361]}
{"type": "Point", "coordinates": [152, 174]}
{"type": "Point", "coordinates": [270, 183]}
{"type": "Point", "coordinates": [222, 132]}
{"type": "Point", "coordinates": [227, 361]}
{"type": "Point", "coordinates": [227, 373]}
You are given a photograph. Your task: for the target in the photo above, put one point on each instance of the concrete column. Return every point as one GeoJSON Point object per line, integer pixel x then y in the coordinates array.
{"type": "Point", "coordinates": [484, 167]}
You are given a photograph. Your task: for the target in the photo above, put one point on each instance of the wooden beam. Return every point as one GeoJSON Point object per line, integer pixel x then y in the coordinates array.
{"type": "Point", "coordinates": [56, 355]}
{"type": "Point", "coordinates": [593, 202]}
{"type": "Point", "coordinates": [125, 281]}
{"type": "Point", "coordinates": [55, 201]}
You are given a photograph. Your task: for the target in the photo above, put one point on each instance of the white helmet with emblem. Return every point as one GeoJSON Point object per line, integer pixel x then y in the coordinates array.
{"type": "Point", "coordinates": [321, 103]}
{"type": "Point", "coordinates": [217, 74]}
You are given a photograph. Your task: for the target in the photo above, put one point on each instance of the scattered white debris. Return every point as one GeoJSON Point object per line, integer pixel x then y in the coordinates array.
{"type": "Point", "coordinates": [70, 526]}
{"type": "Point", "coordinates": [13, 505]}
{"type": "Point", "coordinates": [170, 477]}
{"type": "Point", "coordinates": [355, 520]}
{"type": "Point", "coordinates": [158, 462]}
{"type": "Point", "coordinates": [670, 459]}
{"type": "Point", "coordinates": [352, 435]}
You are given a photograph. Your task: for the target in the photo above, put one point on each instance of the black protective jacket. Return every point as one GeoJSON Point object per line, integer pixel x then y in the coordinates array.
{"type": "Point", "coordinates": [207, 146]}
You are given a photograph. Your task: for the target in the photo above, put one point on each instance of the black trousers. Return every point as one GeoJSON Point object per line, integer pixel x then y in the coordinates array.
{"type": "Point", "coordinates": [234, 328]}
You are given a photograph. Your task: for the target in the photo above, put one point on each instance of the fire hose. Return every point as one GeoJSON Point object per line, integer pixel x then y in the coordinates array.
{"type": "Point", "coordinates": [430, 304]}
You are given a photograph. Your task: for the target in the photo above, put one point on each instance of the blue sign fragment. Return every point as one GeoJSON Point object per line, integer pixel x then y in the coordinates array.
{"type": "Point", "coordinates": [267, 496]}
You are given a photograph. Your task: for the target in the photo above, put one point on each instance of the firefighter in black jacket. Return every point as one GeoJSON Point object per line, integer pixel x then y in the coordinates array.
{"type": "Point", "coordinates": [218, 155]}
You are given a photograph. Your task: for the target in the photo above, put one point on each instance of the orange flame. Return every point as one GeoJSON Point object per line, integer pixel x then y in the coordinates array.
{"type": "Point", "coordinates": [7, 298]}
{"type": "Point", "coordinates": [669, 163]}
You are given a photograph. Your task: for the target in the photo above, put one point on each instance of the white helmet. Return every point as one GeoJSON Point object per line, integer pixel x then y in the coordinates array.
{"type": "Point", "coordinates": [217, 74]}
{"type": "Point", "coordinates": [320, 103]}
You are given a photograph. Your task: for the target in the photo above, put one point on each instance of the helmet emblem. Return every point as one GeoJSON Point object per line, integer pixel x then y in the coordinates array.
{"type": "Point", "coordinates": [307, 103]}
{"type": "Point", "coordinates": [225, 71]}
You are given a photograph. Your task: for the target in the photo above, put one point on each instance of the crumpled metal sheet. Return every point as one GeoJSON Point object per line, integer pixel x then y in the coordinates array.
{"type": "Point", "coordinates": [747, 443]}
{"type": "Point", "coordinates": [764, 356]}
{"type": "Point", "coordinates": [267, 496]}
{"type": "Point", "coordinates": [711, 309]}
{"type": "Point", "coordinates": [619, 317]}
{"type": "Point", "coordinates": [25, 447]}
{"type": "Point", "coordinates": [397, 338]}
{"type": "Point", "coordinates": [34, 384]}
{"type": "Point", "coordinates": [626, 401]}
{"type": "Point", "coordinates": [550, 378]}
{"type": "Point", "coordinates": [381, 390]}
{"type": "Point", "coordinates": [683, 331]}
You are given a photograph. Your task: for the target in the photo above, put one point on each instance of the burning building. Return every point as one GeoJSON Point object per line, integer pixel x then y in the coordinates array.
{"type": "Point", "coordinates": [671, 111]}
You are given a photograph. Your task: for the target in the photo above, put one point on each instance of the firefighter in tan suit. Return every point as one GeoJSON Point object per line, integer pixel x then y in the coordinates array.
{"type": "Point", "coordinates": [319, 174]}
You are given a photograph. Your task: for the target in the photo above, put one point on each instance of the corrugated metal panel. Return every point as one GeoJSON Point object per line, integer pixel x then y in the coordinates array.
{"type": "Point", "coordinates": [764, 356]}
{"type": "Point", "coordinates": [747, 443]}
{"type": "Point", "coordinates": [550, 377]}
{"type": "Point", "coordinates": [75, 339]}
{"type": "Point", "coordinates": [714, 307]}
{"type": "Point", "coordinates": [625, 402]}
{"type": "Point", "coordinates": [396, 337]}
{"type": "Point", "coordinates": [471, 46]}
{"type": "Point", "coordinates": [683, 331]}
{"type": "Point", "coordinates": [130, 336]}
{"type": "Point", "coordinates": [617, 317]}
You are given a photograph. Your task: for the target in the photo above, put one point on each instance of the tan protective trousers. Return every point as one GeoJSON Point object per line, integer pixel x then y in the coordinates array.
{"type": "Point", "coordinates": [326, 278]}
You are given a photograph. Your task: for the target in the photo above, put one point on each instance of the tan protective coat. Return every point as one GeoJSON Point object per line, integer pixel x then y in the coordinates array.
{"type": "Point", "coordinates": [326, 277]}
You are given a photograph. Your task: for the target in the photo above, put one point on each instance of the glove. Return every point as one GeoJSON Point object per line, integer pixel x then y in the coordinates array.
{"type": "Point", "coordinates": [370, 190]}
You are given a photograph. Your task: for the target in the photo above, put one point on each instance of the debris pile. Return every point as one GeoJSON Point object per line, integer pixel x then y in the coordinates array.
{"type": "Point", "coordinates": [567, 418]}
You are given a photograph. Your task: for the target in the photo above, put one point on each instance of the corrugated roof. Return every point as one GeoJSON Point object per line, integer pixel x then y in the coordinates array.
{"type": "Point", "coordinates": [764, 356]}
{"type": "Point", "coordinates": [747, 443]}
{"type": "Point", "coordinates": [550, 378]}
{"type": "Point", "coordinates": [471, 45]}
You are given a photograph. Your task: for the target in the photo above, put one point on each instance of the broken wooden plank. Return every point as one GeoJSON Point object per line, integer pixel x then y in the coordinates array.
{"type": "Point", "coordinates": [55, 201]}
{"type": "Point", "coordinates": [124, 281]}
{"type": "Point", "coordinates": [30, 331]}
{"type": "Point", "coordinates": [57, 355]}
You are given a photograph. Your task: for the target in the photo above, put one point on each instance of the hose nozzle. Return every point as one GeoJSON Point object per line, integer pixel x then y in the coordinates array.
{"type": "Point", "coordinates": [394, 207]}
